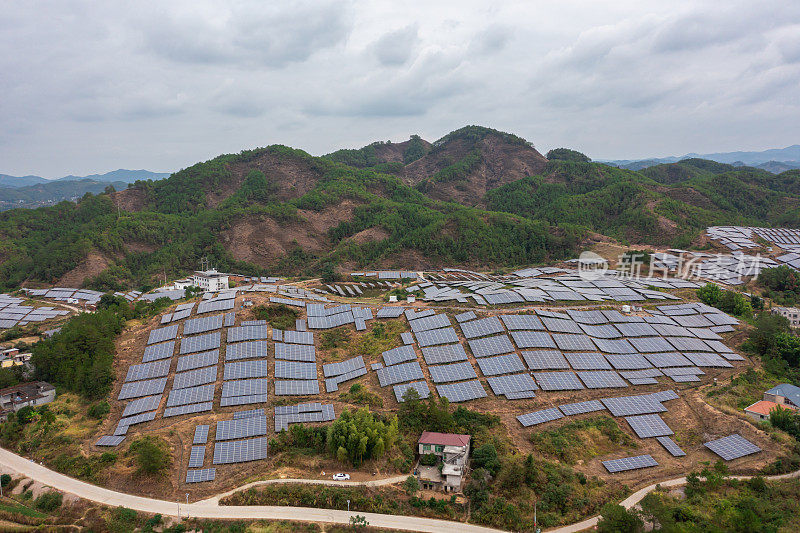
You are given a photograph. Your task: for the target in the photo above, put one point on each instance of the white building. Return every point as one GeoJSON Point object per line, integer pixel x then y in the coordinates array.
{"type": "Point", "coordinates": [453, 451]}
{"type": "Point", "coordinates": [792, 314]}
{"type": "Point", "coordinates": [210, 280]}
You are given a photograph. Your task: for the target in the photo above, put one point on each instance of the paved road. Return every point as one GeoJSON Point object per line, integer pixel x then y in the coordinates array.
{"type": "Point", "coordinates": [211, 509]}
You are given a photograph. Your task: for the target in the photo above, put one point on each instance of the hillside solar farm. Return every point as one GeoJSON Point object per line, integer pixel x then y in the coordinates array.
{"type": "Point", "coordinates": [538, 347]}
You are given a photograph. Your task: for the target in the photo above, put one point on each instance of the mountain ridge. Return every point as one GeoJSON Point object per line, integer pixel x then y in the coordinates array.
{"type": "Point", "coordinates": [774, 158]}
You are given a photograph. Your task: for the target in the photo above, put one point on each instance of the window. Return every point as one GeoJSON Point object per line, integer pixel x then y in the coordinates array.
{"type": "Point", "coordinates": [439, 449]}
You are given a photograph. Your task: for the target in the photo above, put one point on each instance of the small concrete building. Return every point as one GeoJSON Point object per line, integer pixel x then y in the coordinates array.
{"type": "Point", "coordinates": [33, 394]}
{"type": "Point", "coordinates": [784, 395]}
{"type": "Point", "coordinates": [453, 451]}
{"type": "Point", "coordinates": [792, 314]}
{"type": "Point", "coordinates": [210, 280]}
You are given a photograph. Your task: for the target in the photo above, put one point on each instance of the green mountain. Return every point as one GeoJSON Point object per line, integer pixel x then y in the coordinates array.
{"type": "Point", "coordinates": [476, 197]}
{"type": "Point", "coordinates": [52, 192]}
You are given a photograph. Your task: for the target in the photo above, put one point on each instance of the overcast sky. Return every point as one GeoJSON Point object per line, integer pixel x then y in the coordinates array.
{"type": "Point", "coordinates": [94, 86]}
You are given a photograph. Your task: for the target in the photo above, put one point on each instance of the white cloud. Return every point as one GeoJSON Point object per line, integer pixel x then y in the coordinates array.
{"type": "Point", "coordinates": [162, 85]}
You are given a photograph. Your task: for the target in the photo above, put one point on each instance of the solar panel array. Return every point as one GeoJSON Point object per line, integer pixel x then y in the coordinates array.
{"type": "Point", "coordinates": [198, 360]}
{"type": "Point", "coordinates": [240, 451]}
{"type": "Point", "coordinates": [533, 339]}
{"type": "Point", "coordinates": [629, 463]}
{"type": "Point", "coordinates": [423, 391]}
{"type": "Point", "coordinates": [155, 369]}
{"type": "Point", "coordinates": [488, 346]}
{"type": "Point", "coordinates": [303, 413]}
{"type": "Point", "coordinates": [197, 456]}
{"type": "Point", "coordinates": [557, 381]}
{"type": "Point", "coordinates": [247, 333]}
{"type": "Point", "coordinates": [511, 383]}
{"type": "Point", "coordinates": [732, 447]}
{"type": "Point", "coordinates": [601, 379]}
{"type": "Point", "coordinates": [244, 387]}
{"type": "Point", "coordinates": [539, 417]}
{"type": "Point", "coordinates": [109, 440]}
{"type": "Point", "coordinates": [209, 306]}
{"type": "Point", "coordinates": [296, 387]}
{"type": "Point", "coordinates": [579, 408]}
{"type": "Point", "coordinates": [201, 393]}
{"type": "Point", "coordinates": [249, 369]}
{"type": "Point", "coordinates": [447, 353]}
{"type": "Point", "coordinates": [163, 334]}
{"type": "Point", "coordinates": [521, 322]}
{"type": "Point", "coordinates": [200, 434]}
{"type": "Point", "coordinates": [545, 360]}
{"type": "Point", "coordinates": [429, 322]}
{"type": "Point", "coordinates": [137, 389]}
{"type": "Point", "coordinates": [389, 312]}
{"type": "Point", "coordinates": [141, 405]}
{"type": "Point", "coordinates": [649, 426]}
{"type": "Point", "coordinates": [343, 367]}
{"type": "Point", "coordinates": [482, 327]}
{"type": "Point", "coordinates": [295, 352]}
{"type": "Point", "coordinates": [391, 375]}
{"type": "Point", "coordinates": [462, 391]}
{"type": "Point", "coordinates": [501, 364]}
{"type": "Point", "coordinates": [201, 475]}
{"type": "Point", "coordinates": [452, 372]}
{"type": "Point", "coordinates": [188, 409]}
{"type": "Point", "coordinates": [193, 378]}
{"type": "Point", "coordinates": [158, 351]}
{"type": "Point", "coordinates": [671, 446]}
{"type": "Point", "coordinates": [401, 354]}
{"type": "Point", "coordinates": [437, 336]}
{"type": "Point", "coordinates": [241, 428]}
{"type": "Point", "coordinates": [200, 343]}
{"type": "Point", "coordinates": [292, 370]}
{"type": "Point", "coordinates": [202, 324]}
{"type": "Point", "coordinates": [246, 350]}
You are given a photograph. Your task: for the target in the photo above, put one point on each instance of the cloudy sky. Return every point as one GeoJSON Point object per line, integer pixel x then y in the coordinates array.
{"type": "Point", "coordinates": [94, 86]}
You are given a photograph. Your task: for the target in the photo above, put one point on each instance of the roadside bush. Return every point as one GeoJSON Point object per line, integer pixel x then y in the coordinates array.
{"type": "Point", "coordinates": [48, 502]}
{"type": "Point", "coordinates": [150, 455]}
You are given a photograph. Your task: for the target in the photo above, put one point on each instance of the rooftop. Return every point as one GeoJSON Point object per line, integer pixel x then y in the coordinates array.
{"type": "Point", "coordinates": [762, 407]}
{"type": "Point", "coordinates": [444, 439]}
{"type": "Point", "coordinates": [786, 390]}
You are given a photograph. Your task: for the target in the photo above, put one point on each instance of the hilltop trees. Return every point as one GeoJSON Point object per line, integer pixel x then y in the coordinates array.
{"type": "Point", "coordinates": [565, 154]}
{"type": "Point", "coordinates": [360, 436]}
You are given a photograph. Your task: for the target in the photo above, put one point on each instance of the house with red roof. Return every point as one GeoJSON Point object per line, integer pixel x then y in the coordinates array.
{"type": "Point", "coordinates": [453, 453]}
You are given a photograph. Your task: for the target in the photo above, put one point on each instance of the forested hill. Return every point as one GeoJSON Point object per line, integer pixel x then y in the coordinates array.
{"type": "Point", "coordinates": [476, 197]}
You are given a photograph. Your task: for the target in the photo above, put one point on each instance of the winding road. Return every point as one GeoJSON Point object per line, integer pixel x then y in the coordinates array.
{"type": "Point", "coordinates": [210, 508]}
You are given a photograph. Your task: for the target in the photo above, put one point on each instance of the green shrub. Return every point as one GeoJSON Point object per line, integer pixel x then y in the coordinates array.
{"type": "Point", "coordinates": [99, 410]}
{"type": "Point", "coordinates": [48, 501]}
{"type": "Point", "coordinates": [428, 459]}
{"type": "Point", "coordinates": [151, 455]}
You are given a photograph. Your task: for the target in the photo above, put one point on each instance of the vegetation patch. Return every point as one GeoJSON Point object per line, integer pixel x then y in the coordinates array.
{"type": "Point", "coordinates": [581, 439]}
{"type": "Point", "coordinates": [279, 316]}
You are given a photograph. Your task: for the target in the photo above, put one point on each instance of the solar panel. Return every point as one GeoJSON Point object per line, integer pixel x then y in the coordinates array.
{"type": "Point", "coordinates": [158, 351]}
{"type": "Point", "coordinates": [462, 391]}
{"type": "Point", "coordinates": [246, 350]}
{"type": "Point", "coordinates": [141, 405]}
{"type": "Point", "coordinates": [429, 322]}
{"type": "Point", "coordinates": [407, 337]}
{"type": "Point", "coordinates": [452, 372]}
{"type": "Point", "coordinates": [708, 360]}
{"type": "Point", "coordinates": [511, 383]}
{"type": "Point", "coordinates": [202, 393]}
{"type": "Point", "coordinates": [521, 322]}
{"type": "Point", "coordinates": [587, 317]}
{"type": "Point", "coordinates": [539, 417]}
{"type": "Point", "coordinates": [138, 389]}
{"type": "Point", "coordinates": [163, 334]}
{"type": "Point", "coordinates": [343, 367]}
{"type": "Point", "coordinates": [664, 395]}
{"type": "Point", "coordinates": [391, 375]}
{"type": "Point", "coordinates": [604, 331]}
{"type": "Point", "coordinates": [628, 361]}
{"type": "Point", "coordinates": [197, 456]}
{"type": "Point", "coordinates": [649, 426]}
{"type": "Point", "coordinates": [448, 353]}
{"type": "Point", "coordinates": [291, 370]}
{"type": "Point", "coordinates": [325, 413]}
{"type": "Point", "coordinates": [671, 446]}
{"type": "Point", "coordinates": [561, 325]}
{"type": "Point", "coordinates": [200, 476]}
{"type": "Point", "coordinates": [296, 387]}
{"type": "Point", "coordinates": [463, 317]}
{"type": "Point", "coordinates": [332, 383]}
{"type": "Point", "coordinates": [650, 344]}
{"type": "Point", "coordinates": [554, 381]}
{"type": "Point", "coordinates": [640, 329]}
{"type": "Point", "coordinates": [249, 369]}
{"type": "Point", "coordinates": [601, 379]}
{"type": "Point", "coordinates": [732, 447]}
{"type": "Point", "coordinates": [633, 405]}
{"type": "Point", "coordinates": [614, 345]}
{"type": "Point", "coordinates": [200, 343]}
{"type": "Point", "coordinates": [200, 434]}
{"type": "Point", "coordinates": [420, 386]}
{"type": "Point", "coordinates": [202, 324]}
{"type": "Point", "coordinates": [629, 463]}
{"type": "Point", "coordinates": [501, 364]}
{"type": "Point", "coordinates": [241, 428]}
{"type": "Point", "coordinates": [401, 354]}
{"type": "Point", "coordinates": [188, 409]}
{"type": "Point", "coordinates": [298, 337]}
{"type": "Point", "coordinates": [209, 306]}
{"type": "Point", "coordinates": [243, 400]}
{"type": "Point", "coordinates": [686, 344]}
{"type": "Point", "coordinates": [240, 451]}
{"type": "Point", "coordinates": [545, 360]}
{"type": "Point", "coordinates": [248, 413]}
{"type": "Point", "coordinates": [669, 359]}
{"type": "Point", "coordinates": [639, 374]}
{"type": "Point", "coordinates": [295, 352]}
{"type": "Point", "coordinates": [193, 378]}
{"type": "Point", "coordinates": [437, 336]}
{"type": "Point", "coordinates": [572, 342]}
{"type": "Point", "coordinates": [580, 408]}
{"type": "Point", "coordinates": [389, 312]}
{"type": "Point", "coordinates": [198, 360]}
{"type": "Point", "coordinates": [588, 361]}
{"type": "Point", "coordinates": [482, 327]}
{"type": "Point", "coordinates": [230, 319]}
{"type": "Point", "coordinates": [248, 333]}
{"type": "Point", "coordinates": [156, 369]}
{"type": "Point", "coordinates": [487, 346]}
{"type": "Point", "coordinates": [244, 387]}
{"type": "Point", "coordinates": [533, 339]}
{"type": "Point", "coordinates": [109, 440]}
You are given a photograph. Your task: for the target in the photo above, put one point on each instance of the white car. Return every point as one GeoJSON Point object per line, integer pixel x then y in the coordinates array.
{"type": "Point", "coordinates": [341, 477]}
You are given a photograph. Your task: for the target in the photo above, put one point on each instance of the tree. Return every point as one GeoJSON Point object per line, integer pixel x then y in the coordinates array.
{"type": "Point", "coordinates": [616, 519]}
{"type": "Point", "coordinates": [358, 521]}
{"type": "Point", "coordinates": [565, 154]}
{"type": "Point", "coordinates": [486, 457]}
{"type": "Point", "coordinates": [411, 485]}
{"type": "Point", "coordinates": [151, 455]}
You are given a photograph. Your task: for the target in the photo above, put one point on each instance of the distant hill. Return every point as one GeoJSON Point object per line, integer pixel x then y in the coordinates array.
{"type": "Point", "coordinates": [775, 160]}
{"type": "Point", "coordinates": [477, 197]}
{"type": "Point", "coordinates": [121, 175]}
{"type": "Point", "coordinates": [52, 192]}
